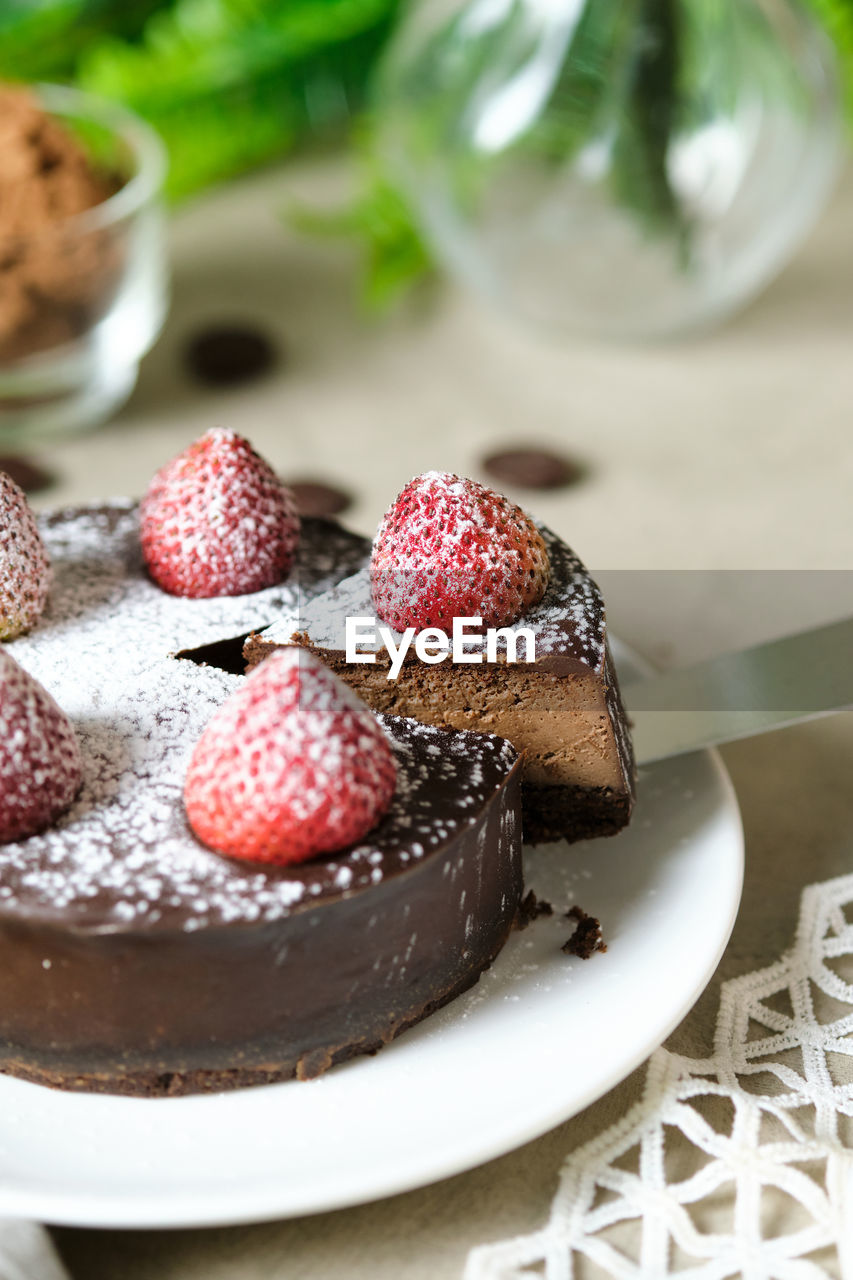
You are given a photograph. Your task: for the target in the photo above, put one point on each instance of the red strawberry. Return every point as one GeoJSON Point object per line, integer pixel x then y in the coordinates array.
{"type": "Point", "coordinates": [292, 765]}
{"type": "Point", "coordinates": [451, 548]}
{"type": "Point", "coordinates": [40, 769]}
{"type": "Point", "coordinates": [24, 566]}
{"type": "Point", "coordinates": [217, 522]}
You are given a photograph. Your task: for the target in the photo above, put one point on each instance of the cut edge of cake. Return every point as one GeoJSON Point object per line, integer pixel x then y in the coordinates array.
{"type": "Point", "coordinates": [563, 712]}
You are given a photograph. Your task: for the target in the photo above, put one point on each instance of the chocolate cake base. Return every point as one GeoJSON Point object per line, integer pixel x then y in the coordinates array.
{"type": "Point", "coordinates": [586, 812]}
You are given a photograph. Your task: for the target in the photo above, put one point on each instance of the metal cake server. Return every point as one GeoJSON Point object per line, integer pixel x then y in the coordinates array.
{"type": "Point", "coordinates": [739, 694]}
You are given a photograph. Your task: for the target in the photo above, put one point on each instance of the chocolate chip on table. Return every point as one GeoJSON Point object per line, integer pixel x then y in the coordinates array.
{"type": "Point", "coordinates": [28, 474]}
{"type": "Point", "coordinates": [224, 355]}
{"type": "Point", "coordinates": [315, 498]}
{"type": "Point", "coordinates": [532, 468]}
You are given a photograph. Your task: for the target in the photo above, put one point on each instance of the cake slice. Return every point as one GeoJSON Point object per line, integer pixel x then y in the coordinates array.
{"type": "Point", "coordinates": [562, 712]}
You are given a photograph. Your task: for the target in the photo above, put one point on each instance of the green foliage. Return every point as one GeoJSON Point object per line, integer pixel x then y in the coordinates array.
{"type": "Point", "coordinates": [395, 251]}
{"type": "Point", "coordinates": [379, 220]}
{"type": "Point", "coordinates": [228, 83]}
{"type": "Point", "coordinates": [43, 39]}
{"type": "Point", "coordinates": [234, 83]}
{"type": "Point", "coordinates": [837, 18]}
{"type": "Point", "coordinates": [196, 48]}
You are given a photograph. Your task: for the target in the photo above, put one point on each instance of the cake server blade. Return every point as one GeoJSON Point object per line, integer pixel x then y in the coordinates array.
{"type": "Point", "coordinates": [747, 692]}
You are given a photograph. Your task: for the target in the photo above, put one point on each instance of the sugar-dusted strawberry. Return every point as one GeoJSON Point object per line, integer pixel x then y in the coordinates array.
{"type": "Point", "coordinates": [216, 521]}
{"type": "Point", "coordinates": [40, 769]}
{"type": "Point", "coordinates": [24, 566]}
{"type": "Point", "coordinates": [292, 765]}
{"type": "Point", "coordinates": [451, 548]}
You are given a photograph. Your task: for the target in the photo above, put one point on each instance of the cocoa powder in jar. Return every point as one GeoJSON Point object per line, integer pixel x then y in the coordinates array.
{"type": "Point", "coordinates": [57, 276]}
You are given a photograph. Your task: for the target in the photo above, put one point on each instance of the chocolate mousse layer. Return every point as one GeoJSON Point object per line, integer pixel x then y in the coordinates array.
{"type": "Point", "coordinates": [563, 712]}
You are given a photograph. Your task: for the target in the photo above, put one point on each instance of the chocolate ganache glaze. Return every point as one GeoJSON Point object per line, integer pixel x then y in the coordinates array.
{"type": "Point", "coordinates": [134, 960]}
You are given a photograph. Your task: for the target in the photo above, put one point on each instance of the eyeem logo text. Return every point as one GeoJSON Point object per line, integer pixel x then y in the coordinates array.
{"type": "Point", "coordinates": [434, 645]}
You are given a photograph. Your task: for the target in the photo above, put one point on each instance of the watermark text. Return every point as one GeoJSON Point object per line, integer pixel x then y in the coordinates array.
{"type": "Point", "coordinates": [432, 644]}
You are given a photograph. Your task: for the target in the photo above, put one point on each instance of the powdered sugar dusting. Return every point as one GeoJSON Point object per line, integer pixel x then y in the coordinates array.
{"type": "Point", "coordinates": [569, 620]}
{"type": "Point", "coordinates": [216, 521]}
{"type": "Point", "coordinates": [450, 547]}
{"type": "Point", "coordinates": [40, 768]}
{"type": "Point", "coordinates": [291, 766]}
{"type": "Point", "coordinates": [123, 854]}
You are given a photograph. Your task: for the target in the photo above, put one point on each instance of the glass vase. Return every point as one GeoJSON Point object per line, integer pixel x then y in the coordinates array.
{"type": "Point", "coordinates": [631, 168]}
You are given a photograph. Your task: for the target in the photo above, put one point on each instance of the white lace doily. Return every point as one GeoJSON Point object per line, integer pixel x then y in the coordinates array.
{"type": "Point", "coordinates": [740, 1164]}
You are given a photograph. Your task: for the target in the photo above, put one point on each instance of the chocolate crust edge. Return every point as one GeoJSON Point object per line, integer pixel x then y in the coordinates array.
{"type": "Point", "coordinates": [573, 813]}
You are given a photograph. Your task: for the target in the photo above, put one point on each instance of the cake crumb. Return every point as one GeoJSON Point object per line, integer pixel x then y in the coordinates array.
{"type": "Point", "coordinates": [586, 938]}
{"type": "Point", "coordinates": [314, 1063]}
{"type": "Point", "coordinates": [531, 908]}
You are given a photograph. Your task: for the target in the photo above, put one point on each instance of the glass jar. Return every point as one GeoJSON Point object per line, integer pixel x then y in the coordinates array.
{"type": "Point", "coordinates": [83, 298]}
{"type": "Point", "coordinates": [631, 168]}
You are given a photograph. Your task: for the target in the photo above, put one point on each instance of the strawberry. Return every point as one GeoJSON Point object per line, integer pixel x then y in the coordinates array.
{"type": "Point", "coordinates": [451, 548]}
{"type": "Point", "coordinates": [40, 770]}
{"type": "Point", "coordinates": [24, 566]}
{"type": "Point", "coordinates": [291, 765]}
{"type": "Point", "coordinates": [216, 521]}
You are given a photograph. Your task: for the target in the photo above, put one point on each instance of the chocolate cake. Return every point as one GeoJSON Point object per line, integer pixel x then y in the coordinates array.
{"type": "Point", "coordinates": [133, 959]}
{"type": "Point", "coordinates": [563, 712]}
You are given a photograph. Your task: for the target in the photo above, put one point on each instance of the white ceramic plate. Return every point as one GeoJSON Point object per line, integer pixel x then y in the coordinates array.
{"type": "Point", "coordinates": [540, 1037]}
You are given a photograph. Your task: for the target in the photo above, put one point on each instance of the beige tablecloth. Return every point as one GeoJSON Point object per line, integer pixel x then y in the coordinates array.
{"type": "Point", "coordinates": [733, 451]}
